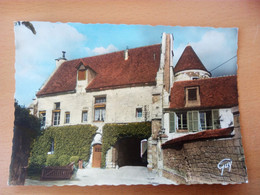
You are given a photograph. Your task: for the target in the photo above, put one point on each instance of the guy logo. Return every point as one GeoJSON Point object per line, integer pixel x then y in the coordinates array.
{"type": "Point", "coordinates": [226, 163]}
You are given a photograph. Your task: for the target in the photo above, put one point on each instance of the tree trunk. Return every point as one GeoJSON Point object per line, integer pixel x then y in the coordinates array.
{"type": "Point", "coordinates": [20, 155]}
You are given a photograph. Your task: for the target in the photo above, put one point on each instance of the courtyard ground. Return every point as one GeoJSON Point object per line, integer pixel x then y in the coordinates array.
{"type": "Point", "coordinates": [127, 175]}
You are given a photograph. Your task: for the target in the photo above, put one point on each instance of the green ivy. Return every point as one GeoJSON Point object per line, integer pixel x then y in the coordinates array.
{"type": "Point", "coordinates": [114, 132]}
{"type": "Point", "coordinates": [71, 141]}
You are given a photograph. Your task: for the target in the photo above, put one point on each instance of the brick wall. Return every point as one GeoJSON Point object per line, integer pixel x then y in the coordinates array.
{"type": "Point", "coordinates": [197, 162]}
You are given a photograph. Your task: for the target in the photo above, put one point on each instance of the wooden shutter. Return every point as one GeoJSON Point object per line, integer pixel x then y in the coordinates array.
{"type": "Point", "coordinates": [172, 122]}
{"type": "Point", "coordinates": [215, 119]}
{"type": "Point", "coordinates": [81, 75]}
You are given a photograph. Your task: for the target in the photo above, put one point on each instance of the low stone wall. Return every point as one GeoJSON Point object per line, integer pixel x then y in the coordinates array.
{"type": "Point", "coordinates": [200, 162]}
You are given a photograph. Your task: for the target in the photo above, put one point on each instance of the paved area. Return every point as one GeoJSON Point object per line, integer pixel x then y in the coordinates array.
{"type": "Point", "coordinates": [128, 175]}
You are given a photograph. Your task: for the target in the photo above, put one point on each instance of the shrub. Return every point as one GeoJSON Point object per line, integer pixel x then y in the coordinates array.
{"type": "Point", "coordinates": [52, 160]}
{"type": "Point", "coordinates": [74, 159]}
{"type": "Point", "coordinates": [63, 160]}
{"type": "Point", "coordinates": [74, 140]}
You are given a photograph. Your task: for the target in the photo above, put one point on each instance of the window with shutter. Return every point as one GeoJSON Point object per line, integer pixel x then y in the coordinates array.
{"type": "Point", "coordinates": [215, 119]}
{"type": "Point", "coordinates": [193, 121]}
{"type": "Point", "coordinates": [172, 122]}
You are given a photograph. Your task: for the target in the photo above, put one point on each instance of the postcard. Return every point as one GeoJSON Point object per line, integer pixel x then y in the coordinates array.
{"type": "Point", "coordinates": [106, 104]}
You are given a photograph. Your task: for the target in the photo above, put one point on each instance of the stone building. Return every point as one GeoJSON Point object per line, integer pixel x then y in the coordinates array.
{"type": "Point", "coordinates": [116, 88]}
{"type": "Point", "coordinates": [199, 127]}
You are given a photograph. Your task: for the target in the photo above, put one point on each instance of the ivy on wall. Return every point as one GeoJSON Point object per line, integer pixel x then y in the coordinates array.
{"type": "Point", "coordinates": [71, 141]}
{"type": "Point", "coordinates": [114, 132]}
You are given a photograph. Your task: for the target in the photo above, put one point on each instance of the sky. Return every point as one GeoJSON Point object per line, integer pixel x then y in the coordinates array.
{"type": "Point", "coordinates": [35, 54]}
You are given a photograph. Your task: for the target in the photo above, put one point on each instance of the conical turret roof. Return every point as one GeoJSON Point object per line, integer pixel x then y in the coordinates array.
{"type": "Point", "coordinates": [189, 61]}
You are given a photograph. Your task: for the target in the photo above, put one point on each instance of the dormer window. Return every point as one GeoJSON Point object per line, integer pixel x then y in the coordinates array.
{"type": "Point", "coordinates": [82, 73]}
{"type": "Point", "coordinates": [192, 96]}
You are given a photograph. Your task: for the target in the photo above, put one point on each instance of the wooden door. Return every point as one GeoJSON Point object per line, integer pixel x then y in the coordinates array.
{"type": "Point", "coordinates": [96, 161]}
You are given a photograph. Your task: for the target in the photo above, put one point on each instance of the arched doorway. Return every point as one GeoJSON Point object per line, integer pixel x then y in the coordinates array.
{"type": "Point", "coordinates": [96, 159]}
{"type": "Point", "coordinates": [128, 152]}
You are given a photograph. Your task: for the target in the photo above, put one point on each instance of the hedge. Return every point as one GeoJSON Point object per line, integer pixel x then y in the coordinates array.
{"type": "Point", "coordinates": [114, 132]}
{"type": "Point", "coordinates": [69, 141]}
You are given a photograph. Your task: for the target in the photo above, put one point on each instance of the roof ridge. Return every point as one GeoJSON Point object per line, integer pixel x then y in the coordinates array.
{"type": "Point", "coordinates": [114, 52]}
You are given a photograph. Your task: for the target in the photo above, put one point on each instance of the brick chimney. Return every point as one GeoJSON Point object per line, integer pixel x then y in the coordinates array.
{"type": "Point", "coordinates": [126, 53]}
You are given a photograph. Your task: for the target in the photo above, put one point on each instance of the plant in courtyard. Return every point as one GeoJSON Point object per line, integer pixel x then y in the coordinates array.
{"type": "Point", "coordinates": [52, 160]}
{"type": "Point", "coordinates": [68, 141]}
{"type": "Point", "coordinates": [114, 132]}
{"type": "Point", "coordinates": [63, 160]}
{"type": "Point", "coordinates": [74, 159]}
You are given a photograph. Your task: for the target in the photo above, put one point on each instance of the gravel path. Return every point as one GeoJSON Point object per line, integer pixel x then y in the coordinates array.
{"type": "Point", "coordinates": [128, 175]}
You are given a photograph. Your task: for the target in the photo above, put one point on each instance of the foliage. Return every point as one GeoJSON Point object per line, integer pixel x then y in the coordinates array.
{"type": "Point", "coordinates": [63, 160]}
{"type": "Point", "coordinates": [24, 119]}
{"type": "Point", "coordinates": [74, 159]}
{"type": "Point", "coordinates": [52, 160]}
{"type": "Point", "coordinates": [71, 141]}
{"type": "Point", "coordinates": [28, 25]}
{"type": "Point", "coordinates": [26, 129]}
{"type": "Point", "coordinates": [114, 132]}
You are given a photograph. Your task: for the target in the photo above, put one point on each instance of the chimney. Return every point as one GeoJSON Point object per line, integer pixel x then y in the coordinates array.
{"type": "Point", "coordinates": [60, 60]}
{"type": "Point", "coordinates": [63, 54]}
{"type": "Point", "coordinates": [126, 53]}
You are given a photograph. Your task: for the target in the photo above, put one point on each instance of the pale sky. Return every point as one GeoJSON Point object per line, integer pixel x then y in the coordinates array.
{"type": "Point", "coordinates": [36, 54]}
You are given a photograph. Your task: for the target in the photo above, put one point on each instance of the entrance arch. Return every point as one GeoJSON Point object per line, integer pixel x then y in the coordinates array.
{"type": "Point", "coordinates": [129, 152]}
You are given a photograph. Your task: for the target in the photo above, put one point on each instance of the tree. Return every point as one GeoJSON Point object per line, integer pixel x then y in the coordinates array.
{"type": "Point", "coordinates": [27, 24]}
{"type": "Point", "coordinates": [26, 129]}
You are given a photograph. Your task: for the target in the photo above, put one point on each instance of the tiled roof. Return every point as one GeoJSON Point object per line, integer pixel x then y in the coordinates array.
{"type": "Point", "coordinates": [189, 61]}
{"type": "Point", "coordinates": [112, 70]}
{"type": "Point", "coordinates": [214, 92]}
{"type": "Point", "coordinates": [203, 135]}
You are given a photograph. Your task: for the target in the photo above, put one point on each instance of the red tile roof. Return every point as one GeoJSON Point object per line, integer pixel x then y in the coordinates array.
{"type": "Point", "coordinates": [203, 135]}
{"type": "Point", "coordinates": [113, 71]}
{"type": "Point", "coordinates": [220, 92]}
{"type": "Point", "coordinates": [189, 61]}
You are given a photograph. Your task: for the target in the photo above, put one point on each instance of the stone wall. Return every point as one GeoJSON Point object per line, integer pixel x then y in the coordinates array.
{"type": "Point", "coordinates": [197, 162]}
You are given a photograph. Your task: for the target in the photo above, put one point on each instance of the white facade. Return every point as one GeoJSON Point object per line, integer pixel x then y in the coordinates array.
{"type": "Point", "coordinates": [120, 106]}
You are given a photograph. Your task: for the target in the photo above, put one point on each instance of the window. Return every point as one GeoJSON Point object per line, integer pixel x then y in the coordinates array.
{"type": "Point", "coordinates": [182, 120]}
{"type": "Point", "coordinates": [84, 116]}
{"type": "Point", "coordinates": [51, 150]}
{"type": "Point", "coordinates": [57, 106]}
{"type": "Point", "coordinates": [100, 108]}
{"type": "Point", "coordinates": [67, 117]}
{"type": "Point", "coordinates": [42, 118]}
{"type": "Point", "coordinates": [99, 100]}
{"type": "Point", "coordinates": [192, 94]}
{"type": "Point", "coordinates": [139, 112]}
{"type": "Point", "coordinates": [172, 127]}
{"type": "Point", "coordinates": [56, 118]}
{"type": "Point", "coordinates": [203, 121]}
{"type": "Point", "coordinates": [81, 75]}
{"type": "Point", "coordinates": [100, 114]}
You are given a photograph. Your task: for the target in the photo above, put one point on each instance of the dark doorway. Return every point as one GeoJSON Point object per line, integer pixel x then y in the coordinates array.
{"type": "Point", "coordinates": [128, 152]}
